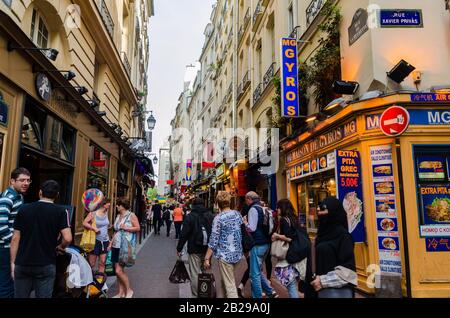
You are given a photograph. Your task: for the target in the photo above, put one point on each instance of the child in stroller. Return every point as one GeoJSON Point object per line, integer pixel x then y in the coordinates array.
{"type": "Point", "coordinates": [75, 278]}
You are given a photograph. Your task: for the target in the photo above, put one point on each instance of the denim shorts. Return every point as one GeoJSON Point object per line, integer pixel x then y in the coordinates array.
{"type": "Point", "coordinates": [100, 248]}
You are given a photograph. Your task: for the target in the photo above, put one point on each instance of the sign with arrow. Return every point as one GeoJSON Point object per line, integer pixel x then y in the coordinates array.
{"type": "Point", "coordinates": [394, 121]}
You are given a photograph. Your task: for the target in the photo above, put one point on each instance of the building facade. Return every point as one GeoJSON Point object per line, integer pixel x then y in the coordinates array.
{"type": "Point", "coordinates": [397, 181]}
{"type": "Point", "coordinates": [75, 127]}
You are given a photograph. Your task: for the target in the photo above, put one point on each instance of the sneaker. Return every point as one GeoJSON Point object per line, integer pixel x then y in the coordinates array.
{"type": "Point", "coordinates": [274, 295]}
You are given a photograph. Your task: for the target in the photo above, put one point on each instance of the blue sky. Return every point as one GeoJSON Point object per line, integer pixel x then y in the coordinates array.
{"type": "Point", "coordinates": [176, 40]}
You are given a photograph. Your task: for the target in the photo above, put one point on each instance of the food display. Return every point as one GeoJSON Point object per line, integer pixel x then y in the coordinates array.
{"type": "Point", "coordinates": [354, 208]}
{"type": "Point", "coordinates": [387, 224]}
{"type": "Point", "coordinates": [386, 170]}
{"type": "Point", "coordinates": [299, 170]}
{"type": "Point", "coordinates": [314, 165]}
{"type": "Point", "coordinates": [384, 187]}
{"type": "Point", "coordinates": [383, 208]}
{"type": "Point", "coordinates": [389, 243]}
{"type": "Point", "coordinates": [323, 162]}
{"type": "Point", "coordinates": [431, 165]}
{"type": "Point", "coordinates": [439, 210]}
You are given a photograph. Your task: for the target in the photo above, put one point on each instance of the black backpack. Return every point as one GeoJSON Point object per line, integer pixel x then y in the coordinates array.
{"type": "Point", "coordinates": [202, 230]}
{"type": "Point", "coordinates": [166, 215]}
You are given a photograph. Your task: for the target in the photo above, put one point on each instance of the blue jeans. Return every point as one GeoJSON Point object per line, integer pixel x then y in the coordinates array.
{"type": "Point", "coordinates": [259, 281]}
{"type": "Point", "coordinates": [41, 278]}
{"type": "Point", "coordinates": [293, 289]}
{"type": "Point", "coordinates": [6, 282]}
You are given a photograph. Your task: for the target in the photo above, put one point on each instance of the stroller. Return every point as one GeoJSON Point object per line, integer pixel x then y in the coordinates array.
{"type": "Point", "coordinates": [78, 281]}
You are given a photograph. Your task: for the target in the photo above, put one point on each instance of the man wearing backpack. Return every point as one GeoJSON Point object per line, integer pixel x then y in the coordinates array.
{"type": "Point", "coordinates": [168, 218]}
{"type": "Point", "coordinates": [260, 224]}
{"type": "Point", "coordinates": [196, 231]}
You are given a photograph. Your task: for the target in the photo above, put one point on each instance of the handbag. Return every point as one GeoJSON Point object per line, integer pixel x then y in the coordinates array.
{"type": "Point", "coordinates": [299, 248]}
{"type": "Point", "coordinates": [206, 287]}
{"type": "Point", "coordinates": [279, 249]}
{"type": "Point", "coordinates": [247, 239]}
{"type": "Point", "coordinates": [88, 238]}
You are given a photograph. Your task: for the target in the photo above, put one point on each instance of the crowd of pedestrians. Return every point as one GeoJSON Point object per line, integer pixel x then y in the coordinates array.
{"type": "Point", "coordinates": [325, 269]}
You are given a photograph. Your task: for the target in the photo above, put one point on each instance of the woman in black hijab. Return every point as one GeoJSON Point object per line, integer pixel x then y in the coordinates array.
{"type": "Point", "coordinates": [335, 259]}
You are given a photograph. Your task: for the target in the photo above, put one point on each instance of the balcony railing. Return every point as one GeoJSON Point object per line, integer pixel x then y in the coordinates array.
{"type": "Point", "coordinates": [257, 93]}
{"type": "Point", "coordinates": [313, 10]}
{"type": "Point", "coordinates": [107, 19]}
{"type": "Point", "coordinates": [258, 12]}
{"type": "Point", "coordinates": [245, 83]}
{"type": "Point", "coordinates": [126, 63]}
{"type": "Point", "coordinates": [244, 26]}
{"type": "Point", "coordinates": [269, 75]}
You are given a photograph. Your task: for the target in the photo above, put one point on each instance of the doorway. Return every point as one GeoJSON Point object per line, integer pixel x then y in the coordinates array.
{"type": "Point", "coordinates": [43, 168]}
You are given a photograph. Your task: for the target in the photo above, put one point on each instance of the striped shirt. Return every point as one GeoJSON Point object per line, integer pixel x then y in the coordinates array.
{"type": "Point", "coordinates": [10, 202]}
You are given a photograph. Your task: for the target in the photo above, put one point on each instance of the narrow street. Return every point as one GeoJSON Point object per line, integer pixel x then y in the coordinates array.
{"type": "Point", "coordinates": [149, 278]}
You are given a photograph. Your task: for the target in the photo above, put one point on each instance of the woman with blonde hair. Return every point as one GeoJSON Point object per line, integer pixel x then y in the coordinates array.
{"type": "Point", "coordinates": [226, 243]}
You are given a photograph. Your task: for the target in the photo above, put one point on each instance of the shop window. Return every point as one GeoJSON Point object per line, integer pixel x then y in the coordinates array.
{"type": "Point", "coordinates": [31, 133]}
{"type": "Point", "coordinates": [98, 169]}
{"type": "Point", "coordinates": [39, 31]}
{"type": "Point", "coordinates": [433, 184]}
{"type": "Point", "coordinates": [48, 134]}
{"type": "Point", "coordinates": [122, 181]}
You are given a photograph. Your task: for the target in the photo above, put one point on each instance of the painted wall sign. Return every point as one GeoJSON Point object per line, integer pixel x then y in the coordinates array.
{"type": "Point", "coordinates": [435, 204]}
{"type": "Point", "coordinates": [43, 87]}
{"type": "Point", "coordinates": [349, 191]}
{"type": "Point", "coordinates": [359, 26]}
{"type": "Point", "coordinates": [3, 112]}
{"type": "Point", "coordinates": [401, 18]}
{"type": "Point", "coordinates": [289, 78]}
{"type": "Point", "coordinates": [437, 244]}
{"type": "Point", "coordinates": [322, 141]}
{"type": "Point", "coordinates": [422, 117]}
{"type": "Point", "coordinates": [386, 209]}
{"type": "Point", "coordinates": [429, 97]}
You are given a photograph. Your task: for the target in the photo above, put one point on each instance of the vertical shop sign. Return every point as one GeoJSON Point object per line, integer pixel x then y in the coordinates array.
{"type": "Point", "coordinates": [289, 79]}
{"type": "Point", "coordinates": [386, 209]}
{"type": "Point", "coordinates": [189, 170]}
{"type": "Point", "coordinates": [349, 191]}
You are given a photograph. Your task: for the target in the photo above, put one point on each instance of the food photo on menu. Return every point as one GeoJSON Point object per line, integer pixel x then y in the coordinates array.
{"type": "Point", "coordinates": [382, 170]}
{"type": "Point", "coordinates": [354, 208]}
{"type": "Point", "coordinates": [384, 187]}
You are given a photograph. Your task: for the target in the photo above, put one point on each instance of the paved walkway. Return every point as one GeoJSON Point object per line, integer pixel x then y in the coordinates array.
{"type": "Point", "coordinates": [149, 278]}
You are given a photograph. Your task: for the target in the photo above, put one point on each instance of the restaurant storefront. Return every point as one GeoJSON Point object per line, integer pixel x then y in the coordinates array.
{"type": "Point", "coordinates": [47, 127]}
{"type": "Point", "coordinates": [396, 191]}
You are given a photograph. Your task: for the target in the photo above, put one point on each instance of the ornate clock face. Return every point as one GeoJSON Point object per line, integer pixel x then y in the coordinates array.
{"type": "Point", "coordinates": [43, 87]}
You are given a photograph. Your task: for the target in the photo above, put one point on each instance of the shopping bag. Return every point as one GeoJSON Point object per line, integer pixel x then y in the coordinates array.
{"type": "Point", "coordinates": [179, 274]}
{"type": "Point", "coordinates": [88, 238]}
{"type": "Point", "coordinates": [206, 287]}
{"type": "Point", "coordinates": [109, 266]}
{"type": "Point", "coordinates": [127, 254]}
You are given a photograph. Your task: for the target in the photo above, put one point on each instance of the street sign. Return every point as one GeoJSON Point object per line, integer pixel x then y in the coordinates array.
{"type": "Point", "coordinates": [394, 121]}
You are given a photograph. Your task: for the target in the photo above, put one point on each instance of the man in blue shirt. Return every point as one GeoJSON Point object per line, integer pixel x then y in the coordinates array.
{"type": "Point", "coordinates": [10, 202]}
{"type": "Point", "coordinates": [258, 224]}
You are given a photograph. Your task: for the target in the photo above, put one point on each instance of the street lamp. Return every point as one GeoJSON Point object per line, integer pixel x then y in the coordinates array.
{"type": "Point", "coordinates": [155, 160]}
{"type": "Point", "coordinates": [151, 121]}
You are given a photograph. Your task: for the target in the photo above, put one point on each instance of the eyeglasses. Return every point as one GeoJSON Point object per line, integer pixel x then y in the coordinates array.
{"type": "Point", "coordinates": [29, 181]}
